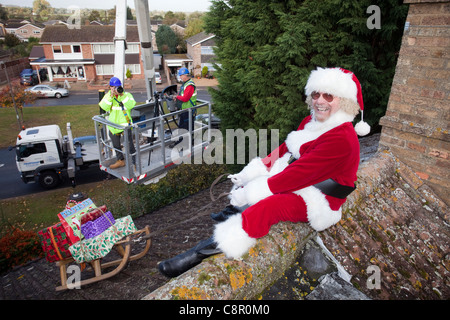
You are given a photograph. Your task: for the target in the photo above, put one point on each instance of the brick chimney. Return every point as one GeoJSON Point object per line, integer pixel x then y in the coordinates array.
{"type": "Point", "coordinates": [416, 124]}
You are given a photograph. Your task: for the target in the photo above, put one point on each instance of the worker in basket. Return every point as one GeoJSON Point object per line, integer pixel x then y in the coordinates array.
{"type": "Point", "coordinates": [187, 98]}
{"type": "Point", "coordinates": [119, 104]}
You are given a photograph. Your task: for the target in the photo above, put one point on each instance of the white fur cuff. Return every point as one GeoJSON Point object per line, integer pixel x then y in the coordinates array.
{"type": "Point", "coordinates": [257, 190]}
{"type": "Point", "coordinates": [231, 237]}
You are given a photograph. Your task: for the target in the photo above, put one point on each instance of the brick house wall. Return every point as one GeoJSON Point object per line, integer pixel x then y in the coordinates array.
{"type": "Point", "coordinates": [28, 31]}
{"type": "Point", "coordinates": [416, 124]}
{"type": "Point", "coordinates": [195, 53]}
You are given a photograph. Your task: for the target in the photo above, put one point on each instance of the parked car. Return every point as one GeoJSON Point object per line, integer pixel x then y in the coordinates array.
{"type": "Point", "coordinates": [215, 121]}
{"type": "Point", "coordinates": [158, 77]}
{"type": "Point", "coordinates": [47, 91]}
{"type": "Point", "coordinates": [28, 77]}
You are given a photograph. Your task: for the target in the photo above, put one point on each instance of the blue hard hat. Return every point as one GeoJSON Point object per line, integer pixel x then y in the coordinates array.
{"type": "Point", "coordinates": [183, 71]}
{"type": "Point", "coordinates": [115, 82]}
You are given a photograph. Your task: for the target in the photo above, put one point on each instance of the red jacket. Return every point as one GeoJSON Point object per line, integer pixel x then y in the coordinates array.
{"type": "Point", "coordinates": [334, 154]}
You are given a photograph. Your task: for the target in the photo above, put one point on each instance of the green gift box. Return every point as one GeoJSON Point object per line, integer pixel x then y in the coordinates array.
{"type": "Point", "coordinates": [95, 248]}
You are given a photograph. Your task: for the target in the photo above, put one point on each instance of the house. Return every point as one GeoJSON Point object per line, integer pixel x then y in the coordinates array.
{"type": "Point", "coordinates": [24, 29]}
{"type": "Point", "coordinates": [173, 62]}
{"type": "Point", "coordinates": [200, 48]}
{"type": "Point", "coordinates": [86, 54]}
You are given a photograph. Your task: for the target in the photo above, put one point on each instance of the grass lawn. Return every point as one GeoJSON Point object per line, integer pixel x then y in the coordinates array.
{"type": "Point", "coordinates": [80, 118]}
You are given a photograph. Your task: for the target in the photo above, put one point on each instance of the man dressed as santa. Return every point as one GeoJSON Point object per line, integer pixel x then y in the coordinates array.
{"type": "Point", "coordinates": [306, 179]}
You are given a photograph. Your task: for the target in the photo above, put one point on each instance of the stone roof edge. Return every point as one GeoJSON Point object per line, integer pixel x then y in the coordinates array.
{"type": "Point", "coordinates": [219, 278]}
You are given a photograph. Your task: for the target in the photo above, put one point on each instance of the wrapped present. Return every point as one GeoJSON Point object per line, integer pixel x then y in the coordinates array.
{"type": "Point", "coordinates": [95, 248]}
{"type": "Point", "coordinates": [55, 243]}
{"type": "Point", "coordinates": [93, 214]}
{"type": "Point", "coordinates": [93, 228]}
{"type": "Point", "coordinates": [70, 219]}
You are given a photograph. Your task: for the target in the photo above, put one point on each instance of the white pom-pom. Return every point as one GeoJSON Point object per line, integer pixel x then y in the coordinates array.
{"type": "Point", "coordinates": [362, 128]}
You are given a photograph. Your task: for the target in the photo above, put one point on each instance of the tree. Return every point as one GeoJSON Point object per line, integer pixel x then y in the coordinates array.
{"type": "Point", "coordinates": [17, 98]}
{"type": "Point", "coordinates": [11, 40]}
{"type": "Point", "coordinates": [3, 13]}
{"type": "Point", "coordinates": [42, 8]}
{"type": "Point", "coordinates": [94, 16]}
{"type": "Point", "coordinates": [267, 49]}
{"type": "Point", "coordinates": [166, 40]}
{"type": "Point", "coordinates": [194, 27]}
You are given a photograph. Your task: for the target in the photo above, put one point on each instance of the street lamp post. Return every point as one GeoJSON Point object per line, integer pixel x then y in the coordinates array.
{"type": "Point", "coordinates": [12, 94]}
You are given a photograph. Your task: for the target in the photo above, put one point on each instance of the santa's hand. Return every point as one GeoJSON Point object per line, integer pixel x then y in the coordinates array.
{"type": "Point", "coordinates": [254, 169]}
{"type": "Point", "coordinates": [237, 179]}
{"type": "Point", "coordinates": [253, 192]}
{"type": "Point", "coordinates": [238, 197]}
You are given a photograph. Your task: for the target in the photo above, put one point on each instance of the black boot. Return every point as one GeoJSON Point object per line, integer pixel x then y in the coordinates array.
{"type": "Point", "coordinates": [224, 214]}
{"type": "Point", "coordinates": [189, 259]}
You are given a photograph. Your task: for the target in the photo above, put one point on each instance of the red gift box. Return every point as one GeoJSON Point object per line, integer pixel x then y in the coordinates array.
{"type": "Point", "coordinates": [55, 243]}
{"type": "Point", "coordinates": [93, 214]}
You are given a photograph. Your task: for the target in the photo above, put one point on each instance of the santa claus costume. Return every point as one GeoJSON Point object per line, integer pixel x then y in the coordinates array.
{"type": "Point", "coordinates": [306, 179]}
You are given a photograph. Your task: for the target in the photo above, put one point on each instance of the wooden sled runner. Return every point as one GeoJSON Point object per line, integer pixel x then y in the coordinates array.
{"type": "Point", "coordinates": [123, 247]}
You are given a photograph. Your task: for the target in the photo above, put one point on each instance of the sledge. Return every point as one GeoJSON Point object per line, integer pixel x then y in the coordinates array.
{"type": "Point", "coordinates": [122, 247]}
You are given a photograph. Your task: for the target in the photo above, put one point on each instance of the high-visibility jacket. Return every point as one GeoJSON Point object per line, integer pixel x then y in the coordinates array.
{"type": "Point", "coordinates": [116, 114]}
{"type": "Point", "coordinates": [192, 101]}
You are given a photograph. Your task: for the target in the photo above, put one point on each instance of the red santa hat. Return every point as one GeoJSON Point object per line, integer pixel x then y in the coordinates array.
{"type": "Point", "coordinates": [341, 83]}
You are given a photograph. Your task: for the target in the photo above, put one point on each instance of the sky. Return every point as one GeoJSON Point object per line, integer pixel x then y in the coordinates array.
{"type": "Point", "coordinates": [164, 5]}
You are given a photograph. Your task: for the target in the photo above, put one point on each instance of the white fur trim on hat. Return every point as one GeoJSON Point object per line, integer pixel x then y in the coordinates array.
{"type": "Point", "coordinates": [231, 237]}
{"type": "Point", "coordinates": [332, 81]}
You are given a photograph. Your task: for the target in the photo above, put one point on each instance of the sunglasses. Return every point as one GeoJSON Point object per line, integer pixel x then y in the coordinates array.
{"type": "Point", "coordinates": [316, 95]}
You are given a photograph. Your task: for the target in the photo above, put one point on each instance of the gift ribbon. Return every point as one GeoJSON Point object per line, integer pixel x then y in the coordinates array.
{"type": "Point", "coordinates": [52, 237]}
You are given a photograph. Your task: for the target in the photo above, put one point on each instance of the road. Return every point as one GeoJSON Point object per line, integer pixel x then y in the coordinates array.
{"type": "Point", "coordinates": [91, 97]}
{"type": "Point", "coordinates": [12, 186]}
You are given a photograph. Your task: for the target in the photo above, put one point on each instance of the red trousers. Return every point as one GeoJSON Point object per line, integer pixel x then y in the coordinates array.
{"type": "Point", "coordinates": [257, 219]}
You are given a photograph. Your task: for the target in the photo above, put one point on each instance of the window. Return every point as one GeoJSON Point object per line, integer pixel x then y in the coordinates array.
{"type": "Point", "coordinates": [76, 48]}
{"type": "Point", "coordinates": [103, 48]}
{"type": "Point", "coordinates": [207, 50]}
{"type": "Point", "coordinates": [132, 48]}
{"type": "Point", "coordinates": [104, 69]}
{"type": "Point", "coordinates": [36, 31]}
{"type": "Point", "coordinates": [109, 48]}
{"type": "Point", "coordinates": [57, 49]}
{"type": "Point", "coordinates": [24, 31]}
{"type": "Point", "coordinates": [134, 68]}
{"type": "Point", "coordinates": [24, 151]}
{"type": "Point", "coordinates": [108, 69]}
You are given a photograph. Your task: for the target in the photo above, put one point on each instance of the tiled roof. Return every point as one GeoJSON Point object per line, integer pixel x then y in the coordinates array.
{"type": "Point", "coordinates": [91, 33]}
{"type": "Point", "coordinates": [199, 37]}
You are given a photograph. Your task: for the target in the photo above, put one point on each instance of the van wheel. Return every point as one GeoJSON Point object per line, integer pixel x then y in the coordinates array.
{"type": "Point", "coordinates": [49, 179]}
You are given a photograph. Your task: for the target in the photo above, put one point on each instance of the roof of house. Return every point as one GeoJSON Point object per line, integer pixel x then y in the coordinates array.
{"type": "Point", "coordinates": [37, 52]}
{"type": "Point", "coordinates": [19, 24]}
{"type": "Point", "coordinates": [199, 38]}
{"type": "Point", "coordinates": [90, 33]}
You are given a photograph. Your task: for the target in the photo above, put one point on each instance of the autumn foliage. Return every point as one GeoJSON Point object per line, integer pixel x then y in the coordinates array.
{"type": "Point", "coordinates": [18, 247]}
{"type": "Point", "coordinates": [21, 96]}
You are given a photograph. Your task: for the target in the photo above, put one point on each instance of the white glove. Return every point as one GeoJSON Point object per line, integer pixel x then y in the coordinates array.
{"type": "Point", "coordinates": [251, 171]}
{"type": "Point", "coordinates": [238, 197]}
{"type": "Point", "coordinates": [238, 179]}
{"type": "Point", "coordinates": [253, 192]}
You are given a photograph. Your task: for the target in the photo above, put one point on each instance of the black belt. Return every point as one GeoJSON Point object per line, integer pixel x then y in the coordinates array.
{"type": "Point", "coordinates": [330, 187]}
